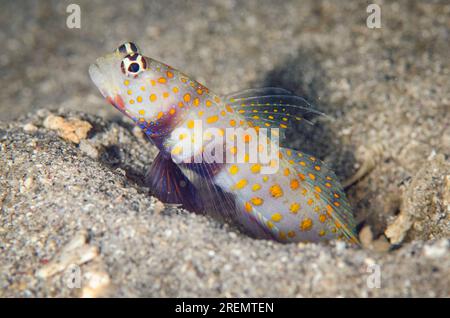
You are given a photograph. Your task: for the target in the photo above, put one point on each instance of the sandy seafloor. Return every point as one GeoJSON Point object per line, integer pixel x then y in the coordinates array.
{"type": "Point", "coordinates": [387, 90]}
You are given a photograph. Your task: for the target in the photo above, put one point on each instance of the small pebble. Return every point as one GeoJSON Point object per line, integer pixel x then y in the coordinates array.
{"type": "Point", "coordinates": [27, 184]}
{"type": "Point", "coordinates": [138, 133]}
{"type": "Point", "coordinates": [340, 246]}
{"type": "Point", "coordinates": [96, 284]}
{"type": "Point", "coordinates": [436, 250]}
{"type": "Point", "coordinates": [29, 127]}
{"type": "Point", "coordinates": [73, 130]}
{"type": "Point", "coordinates": [366, 236]}
{"type": "Point", "coordinates": [77, 252]}
{"type": "Point", "coordinates": [89, 149]}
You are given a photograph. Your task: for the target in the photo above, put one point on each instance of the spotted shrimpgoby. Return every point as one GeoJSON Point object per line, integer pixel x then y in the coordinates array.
{"type": "Point", "coordinates": [290, 197]}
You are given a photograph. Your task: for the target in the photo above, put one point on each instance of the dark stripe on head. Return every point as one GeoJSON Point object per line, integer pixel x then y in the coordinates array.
{"type": "Point", "coordinates": [133, 47]}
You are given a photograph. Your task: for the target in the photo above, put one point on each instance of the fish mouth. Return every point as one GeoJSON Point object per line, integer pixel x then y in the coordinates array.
{"type": "Point", "coordinates": [104, 75]}
{"type": "Point", "coordinates": [98, 78]}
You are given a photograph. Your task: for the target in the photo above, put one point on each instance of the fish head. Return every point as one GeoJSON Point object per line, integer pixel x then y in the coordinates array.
{"type": "Point", "coordinates": [134, 84]}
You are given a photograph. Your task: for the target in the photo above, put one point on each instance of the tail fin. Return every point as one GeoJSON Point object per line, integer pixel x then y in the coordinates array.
{"type": "Point", "coordinates": [324, 184]}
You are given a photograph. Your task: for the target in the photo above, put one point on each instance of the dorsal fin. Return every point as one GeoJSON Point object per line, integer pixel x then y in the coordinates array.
{"type": "Point", "coordinates": [271, 107]}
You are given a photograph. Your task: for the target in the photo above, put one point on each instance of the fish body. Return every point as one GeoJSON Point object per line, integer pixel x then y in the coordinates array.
{"type": "Point", "coordinates": [217, 155]}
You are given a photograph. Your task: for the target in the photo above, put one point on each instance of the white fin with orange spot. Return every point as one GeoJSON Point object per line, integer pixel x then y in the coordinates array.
{"type": "Point", "coordinates": [324, 182]}
{"type": "Point", "coordinates": [271, 107]}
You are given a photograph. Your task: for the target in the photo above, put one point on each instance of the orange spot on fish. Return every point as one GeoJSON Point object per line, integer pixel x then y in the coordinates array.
{"type": "Point", "coordinates": [212, 119]}
{"type": "Point", "coordinates": [276, 191]}
{"type": "Point", "coordinates": [241, 184]}
{"type": "Point", "coordinates": [234, 169]}
{"type": "Point", "coordinates": [322, 218]}
{"type": "Point", "coordinates": [257, 201]}
{"type": "Point", "coordinates": [255, 168]}
{"type": "Point", "coordinates": [294, 208]}
{"type": "Point", "coordinates": [306, 224]}
{"type": "Point", "coordinates": [276, 217]}
{"type": "Point", "coordinates": [329, 209]}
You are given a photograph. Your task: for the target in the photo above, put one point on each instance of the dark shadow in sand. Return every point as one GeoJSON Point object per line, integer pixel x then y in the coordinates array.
{"type": "Point", "coordinates": [116, 156]}
{"type": "Point", "coordinates": [303, 75]}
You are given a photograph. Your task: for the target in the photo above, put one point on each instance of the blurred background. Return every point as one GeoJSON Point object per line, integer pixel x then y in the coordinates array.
{"type": "Point", "coordinates": [387, 89]}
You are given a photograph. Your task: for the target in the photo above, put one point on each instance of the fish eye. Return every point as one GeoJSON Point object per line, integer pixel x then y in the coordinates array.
{"type": "Point", "coordinates": [133, 68]}
{"type": "Point", "coordinates": [127, 48]}
{"type": "Point", "coordinates": [133, 64]}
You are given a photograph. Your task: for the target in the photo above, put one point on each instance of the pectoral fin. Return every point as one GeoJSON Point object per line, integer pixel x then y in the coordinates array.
{"type": "Point", "coordinates": [169, 184]}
